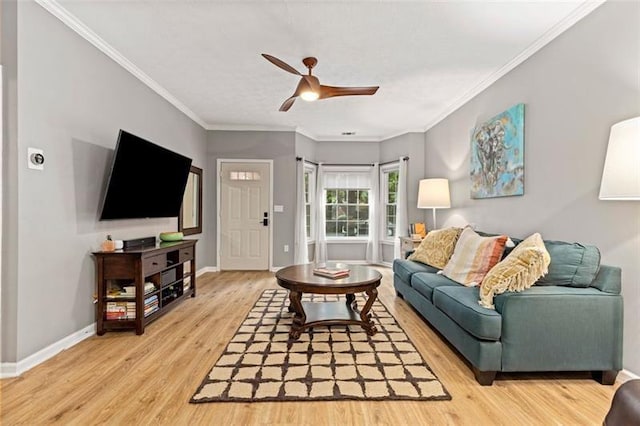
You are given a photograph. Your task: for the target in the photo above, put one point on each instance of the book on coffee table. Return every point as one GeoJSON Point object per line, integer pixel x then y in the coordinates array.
{"type": "Point", "coordinates": [331, 272]}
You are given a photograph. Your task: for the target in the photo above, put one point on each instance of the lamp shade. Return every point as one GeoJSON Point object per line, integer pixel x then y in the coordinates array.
{"type": "Point", "coordinates": [621, 175]}
{"type": "Point", "coordinates": [433, 194]}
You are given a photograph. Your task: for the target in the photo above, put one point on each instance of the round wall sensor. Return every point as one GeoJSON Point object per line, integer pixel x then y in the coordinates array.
{"type": "Point", "coordinates": [36, 158]}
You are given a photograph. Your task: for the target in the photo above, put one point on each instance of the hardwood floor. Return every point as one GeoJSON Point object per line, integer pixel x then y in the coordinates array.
{"type": "Point", "coordinates": [121, 378]}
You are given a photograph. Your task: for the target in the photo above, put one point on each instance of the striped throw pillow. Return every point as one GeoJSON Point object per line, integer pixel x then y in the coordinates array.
{"type": "Point", "coordinates": [473, 257]}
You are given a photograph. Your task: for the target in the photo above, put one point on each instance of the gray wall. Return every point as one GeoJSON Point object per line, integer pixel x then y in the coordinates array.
{"type": "Point", "coordinates": [277, 146]}
{"type": "Point", "coordinates": [9, 311]}
{"type": "Point", "coordinates": [305, 147]}
{"type": "Point", "coordinates": [334, 152]}
{"type": "Point", "coordinates": [574, 90]}
{"type": "Point", "coordinates": [72, 100]}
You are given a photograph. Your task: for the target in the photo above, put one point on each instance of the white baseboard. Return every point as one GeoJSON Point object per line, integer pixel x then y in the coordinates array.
{"type": "Point", "coordinates": [206, 269]}
{"type": "Point", "coordinates": [626, 375]}
{"type": "Point", "coordinates": [8, 369]}
{"type": "Point", "coordinates": [14, 369]}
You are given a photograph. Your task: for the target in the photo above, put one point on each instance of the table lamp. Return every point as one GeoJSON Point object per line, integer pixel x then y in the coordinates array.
{"type": "Point", "coordinates": [434, 194]}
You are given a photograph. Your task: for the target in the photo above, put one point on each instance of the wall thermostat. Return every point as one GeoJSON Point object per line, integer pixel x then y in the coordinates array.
{"type": "Point", "coordinates": [36, 158]}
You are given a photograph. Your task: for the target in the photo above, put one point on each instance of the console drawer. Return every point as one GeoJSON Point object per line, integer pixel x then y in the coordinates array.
{"type": "Point", "coordinates": [186, 254]}
{"type": "Point", "coordinates": [153, 264]}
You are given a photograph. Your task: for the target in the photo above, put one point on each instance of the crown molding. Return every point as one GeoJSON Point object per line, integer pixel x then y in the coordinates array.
{"type": "Point", "coordinates": [352, 139]}
{"type": "Point", "coordinates": [404, 132]}
{"type": "Point", "coordinates": [578, 13]}
{"type": "Point", "coordinates": [53, 7]}
{"type": "Point", "coordinates": [249, 127]}
{"type": "Point", "coordinates": [57, 10]}
{"type": "Point", "coordinates": [305, 132]}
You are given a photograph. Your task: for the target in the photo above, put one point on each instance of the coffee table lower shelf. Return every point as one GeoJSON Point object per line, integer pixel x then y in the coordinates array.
{"type": "Point", "coordinates": [316, 314]}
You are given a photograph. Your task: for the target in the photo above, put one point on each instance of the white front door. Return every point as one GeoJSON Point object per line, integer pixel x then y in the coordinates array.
{"type": "Point", "coordinates": [244, 215]}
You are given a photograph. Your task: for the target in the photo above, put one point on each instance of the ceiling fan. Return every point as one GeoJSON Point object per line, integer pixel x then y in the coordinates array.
{"type": "Point", "coordinates": [309, 87]}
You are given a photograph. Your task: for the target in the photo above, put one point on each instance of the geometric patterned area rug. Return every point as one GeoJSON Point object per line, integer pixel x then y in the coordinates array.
{"type": "Point", "coordinates": [330, 363]}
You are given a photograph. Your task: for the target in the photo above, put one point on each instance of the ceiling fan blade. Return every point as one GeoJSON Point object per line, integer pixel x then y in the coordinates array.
{"type": "Point", "coordinates": [281, 64]}
{"type": "Point", "coordinates": [288, 103]}
{"type": "Point", "coordinates": [332, 91]}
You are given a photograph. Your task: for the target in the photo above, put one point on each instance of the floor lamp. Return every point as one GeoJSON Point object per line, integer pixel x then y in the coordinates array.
{"type": "Point", "coordinates": [434, 194]}
{"type": "Point", "coordinates": [621, 175]}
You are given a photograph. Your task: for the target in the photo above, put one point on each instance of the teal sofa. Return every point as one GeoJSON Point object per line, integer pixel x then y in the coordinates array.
{"type": "Point", "coordinates": [570, 320]}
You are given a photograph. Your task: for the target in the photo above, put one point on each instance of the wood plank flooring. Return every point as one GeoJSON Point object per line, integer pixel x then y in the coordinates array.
{"type": "Point", "coordinates": [121, 378]}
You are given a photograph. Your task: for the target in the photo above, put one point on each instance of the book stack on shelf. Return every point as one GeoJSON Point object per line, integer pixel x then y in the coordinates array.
{"type": "Point", "coordinates": [121, 293]}
{"type": "Point", "coordinates": [129, 292]}
{"type": "Point", "coordinates": [334, 273]}
{"type": "Point", "coordinates": [150, 305]}
{"type": "Point", "coordinates": [121, 310]}
{"type": "Point", "coordinates": [186, 282]}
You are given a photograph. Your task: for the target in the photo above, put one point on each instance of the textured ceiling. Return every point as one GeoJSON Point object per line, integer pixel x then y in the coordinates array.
{"type": "Point", "coordinates": [427, 57]}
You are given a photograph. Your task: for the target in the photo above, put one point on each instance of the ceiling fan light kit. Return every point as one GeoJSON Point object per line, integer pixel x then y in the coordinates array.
{"type": "Point", "coordinates": [309, 87]}
{"type": "Point", "coordinates": [309, 96]}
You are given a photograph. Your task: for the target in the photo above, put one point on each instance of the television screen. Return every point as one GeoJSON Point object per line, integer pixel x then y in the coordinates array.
{"type": "Point", "coordinates": [146, 180]}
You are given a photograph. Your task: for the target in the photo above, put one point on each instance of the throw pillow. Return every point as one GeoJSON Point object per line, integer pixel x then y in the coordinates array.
{"type": "Point", "coordinates": [572, 264]}
{"type": "Point", "coordinates": [436, 248]}
{"type": "Point", "coordinates": [518, 271]}
{"type": "Point", "coordinates": [473, 257]}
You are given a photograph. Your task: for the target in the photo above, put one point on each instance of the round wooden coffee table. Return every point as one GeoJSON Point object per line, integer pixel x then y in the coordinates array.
{"type": "Point", "coordinates": [299, 279]}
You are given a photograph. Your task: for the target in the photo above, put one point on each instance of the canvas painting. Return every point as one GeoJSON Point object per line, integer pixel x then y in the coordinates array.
{"type": "Point", "coordinates": [497, 155]}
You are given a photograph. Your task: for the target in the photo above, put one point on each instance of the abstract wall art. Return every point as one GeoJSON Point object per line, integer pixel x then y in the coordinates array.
{"type": "Point", "coordinates": [497, 155]}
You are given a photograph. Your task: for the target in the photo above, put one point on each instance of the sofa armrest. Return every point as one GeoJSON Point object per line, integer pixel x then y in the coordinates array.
{"type": "Point", "coordinates": [553, 328]}
{"type": "Point", "coordinates": [609, 279]}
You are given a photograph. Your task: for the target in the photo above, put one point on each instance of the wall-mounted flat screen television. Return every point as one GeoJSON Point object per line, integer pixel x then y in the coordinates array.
{"type": "Point", "coordinates": [146, 180]}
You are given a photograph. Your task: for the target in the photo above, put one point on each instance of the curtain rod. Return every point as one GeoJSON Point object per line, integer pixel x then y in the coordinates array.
{"type": "Point", "coordinates": [351, 165]}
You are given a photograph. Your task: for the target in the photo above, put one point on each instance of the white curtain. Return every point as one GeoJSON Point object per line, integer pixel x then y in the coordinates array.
{"type": "Point", "coordinates": [321, 236]}
{"type": "Point", "coordinates": [301, 252]}
{"type": "Point", "coordinates": [375, 210]}
{"type": "Point", "coordinates": [402, 221]}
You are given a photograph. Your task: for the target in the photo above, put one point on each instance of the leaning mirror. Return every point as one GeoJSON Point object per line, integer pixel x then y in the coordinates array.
{"type": "Point", "coordinates": [190, 219]}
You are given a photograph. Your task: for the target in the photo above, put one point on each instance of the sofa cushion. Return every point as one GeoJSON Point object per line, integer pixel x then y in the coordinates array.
{"type": "Point", "coordinates": [436, 248]}
{"type": "Point", "coordinates": [518, 271]}
{"type": "Point", "coordinates": [473, 257]}
{"type": "Point", "coordinates": [424, 283]}
{"type": "Point", "coordinates": [461, 305]}
{"type": "Point", "coordinates": [572, 264]}
{"type": "Point", "coordinates": [405, 268]}
{"type": "Point", "coordinates": [552, 292]}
